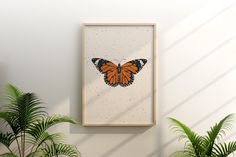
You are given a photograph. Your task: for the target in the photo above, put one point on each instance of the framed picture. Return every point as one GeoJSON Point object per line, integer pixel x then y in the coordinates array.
{"type": "Point", "coordinates": [119, 74]}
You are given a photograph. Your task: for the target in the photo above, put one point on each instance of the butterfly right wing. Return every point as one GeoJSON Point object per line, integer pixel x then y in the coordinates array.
{"type": "Point", "coordinates": [109, 70]}
{"type": "Point", "coordinates": [129, 69]}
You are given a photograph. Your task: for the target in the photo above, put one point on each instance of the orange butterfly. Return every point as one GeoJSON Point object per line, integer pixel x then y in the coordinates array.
{"type": "Point", "coordinates": [119, 75]}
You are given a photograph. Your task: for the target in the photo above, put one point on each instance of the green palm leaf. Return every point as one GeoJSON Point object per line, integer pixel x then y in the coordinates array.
{"type": "Point", "coordinates": [6, 139]}
{"type": "Point", "coordinates": [217, 131]}
{"type": "Point", "coordinates": [12, 93]}
{"type": "Point", "coordinates": [191, 137]}
{"type": "Point", "coordinates": [6, 116]}
{"type": "Point", "coordinates": [59, 149]}
{"type": "Point", "coordinates": [224, 149]}
{"type": "Point", "coordinates": [205, 146]}
{"type": "Point", "coordinates": [37, 128]}
{"type": "Point", "coordinates": [25, 110]}
{"type": "Point", "coordinates": [44, 139]}
{"type": "Point", "coordinates": [29, 122]}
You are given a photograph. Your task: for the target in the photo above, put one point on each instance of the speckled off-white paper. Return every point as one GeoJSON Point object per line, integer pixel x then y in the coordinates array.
{"type": "Point", "coordinates": [118, 105]}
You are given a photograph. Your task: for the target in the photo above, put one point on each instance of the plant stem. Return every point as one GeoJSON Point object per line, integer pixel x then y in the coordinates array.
{"type": "Point", "coordinates": [23, 143]}
{"type": "Point", "coordinates": [18, 145]}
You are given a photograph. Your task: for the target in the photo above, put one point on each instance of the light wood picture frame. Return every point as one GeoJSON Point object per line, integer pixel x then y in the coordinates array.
{"type": "Point", "coordinates": [119, 74]}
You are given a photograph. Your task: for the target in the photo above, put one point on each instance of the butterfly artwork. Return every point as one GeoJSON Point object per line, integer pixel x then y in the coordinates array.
{"type": "Point", "coordinates": [122, 75]}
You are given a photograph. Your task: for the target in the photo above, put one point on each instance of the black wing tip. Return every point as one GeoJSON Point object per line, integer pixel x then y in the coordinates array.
{"type": "Point", "coordinates": [144, 61]}
{"type": "Point", "coordinates": [94, 59]}
{"type": "Point", "coordinates": [141, 59]}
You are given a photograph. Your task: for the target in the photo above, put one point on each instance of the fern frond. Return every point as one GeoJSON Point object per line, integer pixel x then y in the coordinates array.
{"type": "Point", "coordinates": [217, 131]}
{"type": "Point", "coordinates": [12, 93]}
{"type": "Point", "coordinates": [40, 126]}
{"type": "Point", "coordinates": [59, 149]}
{"type": "Point", "coordinates": [6, 138]}
{"type": "Point", "coordinates": [187, 134]}
{"type": "Point", "coordinates": [224, 149]}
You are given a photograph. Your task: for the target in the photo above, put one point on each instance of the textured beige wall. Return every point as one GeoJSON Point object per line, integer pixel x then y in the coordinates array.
{"type": "Point", "coordinates": [40, 52]}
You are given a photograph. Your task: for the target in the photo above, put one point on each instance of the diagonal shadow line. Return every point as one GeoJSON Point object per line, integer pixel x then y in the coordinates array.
{"type": "Point", "coordinates": [84, 139]}
{"type": "Point", "coordinates": [135, 104]}
{"type": "Point", "coordinates": [199, 27]}
{"type": "Point", "coordinates": [153, 153]}
{"type": "Point", "coordinates": [91, 132]}
{"type": "Point", "coordinates": [216, 110]}
{"type": "Point", "coordinates": [200, 90]}
{"type": "Point", "coordinates": [121, 144]}
{"type": "Point", "coordinates": [198, 61]}
{"type": "Point", "coordinates": [195, 124]}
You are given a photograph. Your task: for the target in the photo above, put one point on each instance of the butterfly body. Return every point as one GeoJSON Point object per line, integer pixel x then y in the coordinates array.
{"type": "Point", "coordinates": [119, 68]}
{"type": "Point", "coordinates": [122, 75]}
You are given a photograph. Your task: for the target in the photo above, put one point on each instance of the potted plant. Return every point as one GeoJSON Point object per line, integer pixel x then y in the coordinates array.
{"type": "Point", "coordinates": [28, 125]}
{"type": "Point", "coordinates": [204, 146]}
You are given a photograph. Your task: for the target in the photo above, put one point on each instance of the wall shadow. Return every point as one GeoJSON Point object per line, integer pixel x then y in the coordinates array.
{"type": "Point", "coordinates": [161, 145]}
{"type": "Point", "coordinates": [198, 28]}
{"type": "Point", "coordinates": [198, 61]}
{"type": "Point", "coordinates": [200, 90]}
{"type": "Point", "coordinates": [118, 146]}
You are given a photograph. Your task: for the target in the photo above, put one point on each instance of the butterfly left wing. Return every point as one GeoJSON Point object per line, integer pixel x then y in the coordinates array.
{"type": "Point", "coordinates": [128, 70]}
{"type": "Point", "coordinates": [109, 70]}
